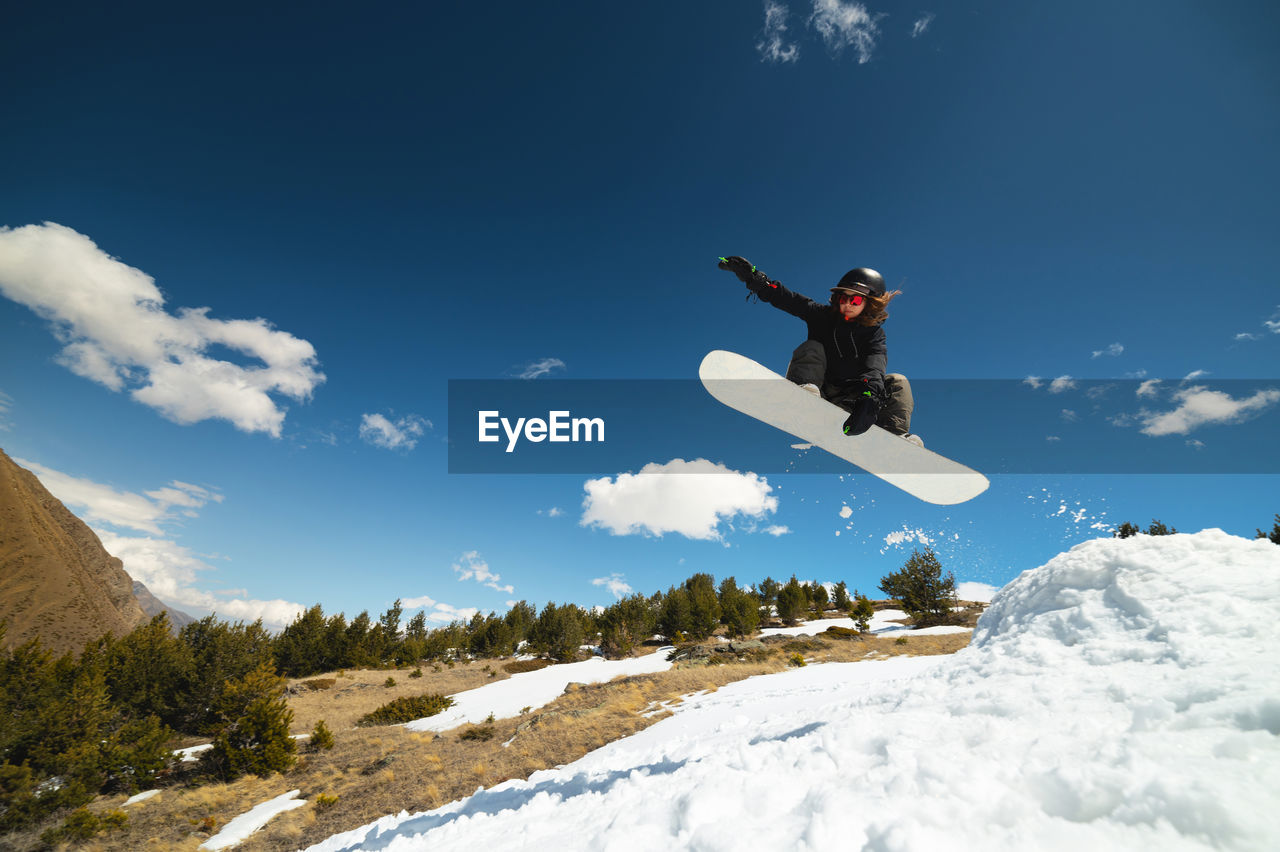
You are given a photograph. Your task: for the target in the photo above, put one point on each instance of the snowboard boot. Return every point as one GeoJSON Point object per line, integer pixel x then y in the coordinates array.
{"type": "Point", "coordinates": [915, 439]}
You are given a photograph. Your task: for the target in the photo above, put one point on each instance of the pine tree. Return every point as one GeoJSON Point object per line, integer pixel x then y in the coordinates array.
{"type": "Point", "coordinates": [840, 600]}
{"type": "Point", "coordinates": [739, 609]}
{"type": "Point", "coordinates": [819, 597]}
{"type": "Point", "coordinates": [768, 591]}
{"type": "Point", "coordinates": [675, 617]}
{"type": "Point", "coordinates": [791, 601]}
{"type": "Point", "coordinates": [321, 737]}
{"type": "Point", "coordinates": [558, 633]}
{"type": "Point", "coordinates": [921, 588]}
{"type": "Point", "coordinates": [254, 737]}
{"type": "Point", "coordinates": [149, 671]}
{"type": "Point", "coordinates": [300, 649]}
{"type": "Point", "coordinates": [1126, 530]}
{"type": "Point", "coordinates": [625, 624]}
{"type": "Point", "coordinates": [1274, 535]}
{"type": "Point", "coordinates": [862, 612]}
{"type": "Point", "coordinates": [704, 606]}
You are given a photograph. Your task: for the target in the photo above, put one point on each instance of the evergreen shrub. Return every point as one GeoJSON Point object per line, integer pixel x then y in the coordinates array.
{"type": "Point", "coordinates": [406, 709]}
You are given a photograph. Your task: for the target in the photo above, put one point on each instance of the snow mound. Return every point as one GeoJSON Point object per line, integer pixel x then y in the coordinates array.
{"type": "Point", "coordinates": [1126, 695]}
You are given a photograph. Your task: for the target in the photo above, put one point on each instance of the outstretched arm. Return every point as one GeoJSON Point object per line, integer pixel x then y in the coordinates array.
{"type": "Point", "coordinates": [770, 291]}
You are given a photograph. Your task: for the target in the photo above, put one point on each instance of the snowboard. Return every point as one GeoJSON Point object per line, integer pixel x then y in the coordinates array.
{"type": "Point", "coordinates": [757, 391]}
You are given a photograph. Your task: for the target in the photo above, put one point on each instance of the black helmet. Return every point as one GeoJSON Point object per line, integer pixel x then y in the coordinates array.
{"type": "Point", "coordinates": [868, 282]}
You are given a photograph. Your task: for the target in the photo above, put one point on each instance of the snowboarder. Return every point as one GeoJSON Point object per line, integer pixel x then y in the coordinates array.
{"type": "Point", "coordinates": [844, 359]}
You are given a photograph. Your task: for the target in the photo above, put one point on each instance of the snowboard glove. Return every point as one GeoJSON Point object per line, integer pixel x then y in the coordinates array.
{"type": "Point", "coordinates": [862, 416]}
{"type": "Point", "coordinates": [747, 274]}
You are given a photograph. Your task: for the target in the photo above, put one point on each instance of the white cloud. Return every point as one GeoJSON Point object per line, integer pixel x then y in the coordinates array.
{"type": "Point", "coordinates": [1035, 382]}
{"type": "Point", "coordinates": [472, 567]}
{"type": "Point", "coordinates": [102, 504]}
{"type": "Point", "coordinates": [690, 498]}
{"type": "Point", "coordinates": [421, 602]}
{"type": "Point", "coordinates": [116, 331]}
{"type": "Point", "coordinates": [169, 571]}
{"type": "Point", "coordinates": [444, 613]}
{"type": "Point", "coordinates": [553, 512]}
{"type": "Point", "coordinates": [1199, 406]}
{"type": "Point", "coordinates": [1244, 335]}
{"type": "Point", "coordinates": [1149, 389]}
{"type": "Point", "coordinates": [778, 530]}
{"type": "Point", "coordinates": [1195, 374]}
{"type": "Point", "coordinates": [921, 24]}
{"type": "Point", "coordinates": [1061, 384]}
{"type": "Point", "coordinates": [400, 434]}
{"type": "Point", "coordinates": [1053, 439]}
{"type": "Point", "coordinates": [616, 585]}
{"type": "Point", "coordinates": [844, 25]}
{"type": "Point", "coordinates": [772, 45]}
{"type": "Point", "coordinates": [1070, 416]}
{"type": "Point", "coordinates": [1112, 351]}
{"type": "Point", "coordinates": [6, 402]}
{"type": "Point", "coordinates": [538, 369]}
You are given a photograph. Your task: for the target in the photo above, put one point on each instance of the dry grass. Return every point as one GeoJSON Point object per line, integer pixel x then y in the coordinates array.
{"type": "Point", "coordinates": [371, 772]}
{"type": "Point", "coordinates": [357, 692]}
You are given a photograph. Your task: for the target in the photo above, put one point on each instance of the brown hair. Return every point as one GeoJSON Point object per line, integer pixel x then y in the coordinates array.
{"type": "Point", "coordinates": [877, 309]}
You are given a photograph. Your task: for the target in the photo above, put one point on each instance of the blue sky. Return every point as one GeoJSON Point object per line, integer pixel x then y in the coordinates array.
{"type": "Point", "coordinates": [373, 203]}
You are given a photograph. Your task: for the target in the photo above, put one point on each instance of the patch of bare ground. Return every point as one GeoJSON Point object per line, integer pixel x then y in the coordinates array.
{"type": "Point", "coordinates": [371, 772]}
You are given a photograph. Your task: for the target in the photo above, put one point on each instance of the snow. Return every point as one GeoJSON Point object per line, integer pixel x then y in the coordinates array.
{"type": "Point", "coordinates": [192, 754]}
{"type": "Point", "coordinates": [975, 591]}
{"type": "Point", "coordinates": [509, 697]}
{"type": "Point", "coordinates": [882, 623]}
{"type": "Point", "coordinates": [1126, 695]}
{"type": "Point", "coordinates": [247, 823]}
{"type": "Point", "coordinates": [141, 797]}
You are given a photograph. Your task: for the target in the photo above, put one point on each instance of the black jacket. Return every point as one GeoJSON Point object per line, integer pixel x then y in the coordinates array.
{"type": "Point", "coordinates": [855, 352]}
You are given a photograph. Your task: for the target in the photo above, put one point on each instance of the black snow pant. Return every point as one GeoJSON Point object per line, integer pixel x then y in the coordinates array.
{"type": "Point", "coordinates": [809, 366]}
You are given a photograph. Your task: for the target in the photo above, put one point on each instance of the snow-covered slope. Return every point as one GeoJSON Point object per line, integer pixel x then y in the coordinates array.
{"type": "Point", "coordinates": [1126, 695]}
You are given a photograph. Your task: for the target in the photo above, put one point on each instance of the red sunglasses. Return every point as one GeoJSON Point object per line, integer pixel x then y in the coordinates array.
{"type": "Point", "coordinates": [856, 298]}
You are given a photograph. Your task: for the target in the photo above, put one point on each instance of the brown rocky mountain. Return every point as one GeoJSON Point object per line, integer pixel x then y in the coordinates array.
{"type": "Point", "coordinates": [57, 582]}
{"type": "Point", "coordinates": [153, 606]}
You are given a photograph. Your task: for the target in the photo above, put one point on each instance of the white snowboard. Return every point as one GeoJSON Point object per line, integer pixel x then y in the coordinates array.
{"type": "Point", "coordinates": [756, 390]}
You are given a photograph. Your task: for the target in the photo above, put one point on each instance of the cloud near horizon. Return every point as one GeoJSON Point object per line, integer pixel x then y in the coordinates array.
{"type": "Point", "coordinates": [168, 569]}
{"type": "Point", "coordinates": [441, 613]}
{"type": "Point", "coordinates": [115, 330]}
{"type": "Point", "coordinates": [690, 498]}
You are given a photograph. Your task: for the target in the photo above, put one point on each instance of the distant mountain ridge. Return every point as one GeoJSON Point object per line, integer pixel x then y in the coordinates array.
{"type": "Point", "coordinates": [57, 581]}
